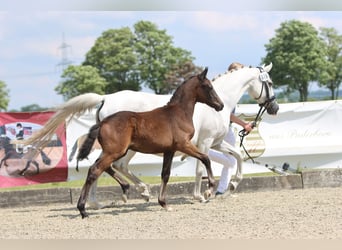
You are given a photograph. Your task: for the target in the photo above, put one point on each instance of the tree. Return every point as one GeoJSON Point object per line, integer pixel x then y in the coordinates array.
{"type": "Point", "coordinates": [114, 56]}
{"type": "Point", "coordinates": [4, 96]}
{"type": "Point", "coordinates": [157, 57]}
{"type": "Point", "coordinates": [128, 60]}
{"type": "Point", "coordinates": [178, 74]}
{"type": "Point", "coordinates": [79, 80]}
{"type": "Point", "coordinates": [32, 107]}
{"type": "Point", "coordinates": [332, 77]}
{"type": "Point", "coordinates": [298, 55]}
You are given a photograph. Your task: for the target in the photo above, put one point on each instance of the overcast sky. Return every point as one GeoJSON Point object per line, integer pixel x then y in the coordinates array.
{"type": "Point", "coordinates": [30, 41]}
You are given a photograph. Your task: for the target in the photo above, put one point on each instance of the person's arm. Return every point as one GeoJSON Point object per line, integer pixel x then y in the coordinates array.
{"type": "Point", "coordinates": [247, 126]}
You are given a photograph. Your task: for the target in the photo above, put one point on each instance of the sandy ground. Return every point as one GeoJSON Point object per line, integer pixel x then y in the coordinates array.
{"type": "Point", "coordinates": [287, 214]}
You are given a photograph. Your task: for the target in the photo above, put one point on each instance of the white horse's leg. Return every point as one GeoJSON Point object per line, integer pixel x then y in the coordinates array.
{"type": "Point", "coordinates": [121, 166]}
{"type": "Point", "coordinates": [198, 182]}
{"type": "Point", "coordinates": [199, 172]}
{"type": "Point", "coordinates": [92, 201]}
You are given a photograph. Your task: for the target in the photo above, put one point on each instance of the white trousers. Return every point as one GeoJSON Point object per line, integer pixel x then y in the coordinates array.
{"type": "Point", "coordinates": [228, 162]}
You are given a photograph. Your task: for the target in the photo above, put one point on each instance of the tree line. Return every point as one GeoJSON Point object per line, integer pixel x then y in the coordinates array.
{"type": "Point", "coordinates": [145, 56]}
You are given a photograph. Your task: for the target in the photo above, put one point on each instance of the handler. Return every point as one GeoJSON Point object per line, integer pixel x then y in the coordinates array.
{"type": "Point", "coordinates": [228, 161]}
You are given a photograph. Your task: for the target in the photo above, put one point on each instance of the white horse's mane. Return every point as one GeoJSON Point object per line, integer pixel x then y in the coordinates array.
{"type": "Point", "coordinates": [229, 71]}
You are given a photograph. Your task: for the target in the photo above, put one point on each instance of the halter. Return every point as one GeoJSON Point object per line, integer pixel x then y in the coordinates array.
{"type": "Point", "coordinates": [264, 78]}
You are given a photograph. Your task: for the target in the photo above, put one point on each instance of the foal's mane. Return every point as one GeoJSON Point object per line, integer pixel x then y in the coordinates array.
{"type": "Point", "coordinates": [177, 94]}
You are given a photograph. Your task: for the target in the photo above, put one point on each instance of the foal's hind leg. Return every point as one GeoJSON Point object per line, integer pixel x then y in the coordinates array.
{"type": "Point", "coordinates": [94, 172]}
{"type": "Point", "coordinates": [93, 203]}
{"type": "Point", "coordinates": [165, 175]}
{"type": "Point", "coordinates": [123, 183]}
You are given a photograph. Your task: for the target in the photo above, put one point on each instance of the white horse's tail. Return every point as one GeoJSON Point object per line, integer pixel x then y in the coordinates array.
{"type": "Point", "coordinates": [75, 106]}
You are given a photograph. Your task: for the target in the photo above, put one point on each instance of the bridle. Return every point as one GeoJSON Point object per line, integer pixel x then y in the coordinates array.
{"type": "Point", "coordinates": [265, 80]}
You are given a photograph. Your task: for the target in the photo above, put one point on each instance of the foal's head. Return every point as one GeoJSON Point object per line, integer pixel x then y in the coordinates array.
{"type": "Point", "coordinates": [206, 93]}
{"type": "Point", "coordinates": [198, 88]}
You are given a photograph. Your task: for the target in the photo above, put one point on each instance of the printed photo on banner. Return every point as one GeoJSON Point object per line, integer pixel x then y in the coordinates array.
{"type": "Point", "coordinates": [22, 164]}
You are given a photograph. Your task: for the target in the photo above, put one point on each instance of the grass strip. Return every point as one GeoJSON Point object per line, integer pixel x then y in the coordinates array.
{"type": "Point", "coordinates": [107, 181]}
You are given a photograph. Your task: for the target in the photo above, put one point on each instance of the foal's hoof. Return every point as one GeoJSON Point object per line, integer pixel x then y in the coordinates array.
{"type": "Point", "coordinates": [84, 215]}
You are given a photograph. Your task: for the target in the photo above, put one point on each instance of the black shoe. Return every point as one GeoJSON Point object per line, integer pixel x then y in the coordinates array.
{"type": "Point", "coordinates": [218, 193]}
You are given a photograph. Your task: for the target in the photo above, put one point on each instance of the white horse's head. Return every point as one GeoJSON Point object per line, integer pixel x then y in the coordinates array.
{"type": "Point", "coordinates": [261, 89]}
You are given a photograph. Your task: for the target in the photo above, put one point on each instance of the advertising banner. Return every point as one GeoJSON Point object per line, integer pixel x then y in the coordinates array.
{"type": "Point", "coordinates": [23, 165]}
{"type": "Point", "coordinates": [305, 135]}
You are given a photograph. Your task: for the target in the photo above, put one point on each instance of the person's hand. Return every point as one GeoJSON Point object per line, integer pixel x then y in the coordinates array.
{"type": "Point", "coordinates": [249, 126]}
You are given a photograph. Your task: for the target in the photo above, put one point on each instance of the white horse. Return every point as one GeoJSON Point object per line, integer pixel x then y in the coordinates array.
{"type": "Point", "coordinates": [210, 126]}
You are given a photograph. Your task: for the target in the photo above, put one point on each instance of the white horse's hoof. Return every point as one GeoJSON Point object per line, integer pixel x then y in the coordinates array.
{"type": "Point", "coordinates": [199, 198]}
{"type": "Point", "coordinates": [124, 198]}
{"type": "Point", "coordinates": [145, 197]}
{"type": "Point", "coordinates": [232, 186]}
{"type": "Point", "coordinates": [168, 209]}
{"type": "Point", "coordinates": [94, 205]}
{"type": "Point", "coordinates": [205, 201]}
{"type": "Point", "coordinates": [145, 194]}
{"type": "Point", "coordinates": [207, 194]}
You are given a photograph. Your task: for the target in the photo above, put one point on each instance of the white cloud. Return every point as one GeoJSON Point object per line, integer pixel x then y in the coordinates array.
{"type": "Point", "coordinates": [318, 21]}
{"type": "Point", "coordinates": [219, 21]}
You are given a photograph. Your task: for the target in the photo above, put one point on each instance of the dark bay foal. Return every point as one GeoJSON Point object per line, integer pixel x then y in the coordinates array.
{"type": "Point", "coordinates": [163, 130]}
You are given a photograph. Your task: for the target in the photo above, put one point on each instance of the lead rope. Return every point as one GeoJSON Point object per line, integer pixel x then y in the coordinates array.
{"type": "Point", "coordinates": [243, 133]}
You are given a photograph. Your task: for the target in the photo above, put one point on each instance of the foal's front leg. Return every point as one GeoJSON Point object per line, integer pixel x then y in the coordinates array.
{"type": "Point", "coordinates": [165, 175]}
{"type": "Point", "coordinates": [191, 150]}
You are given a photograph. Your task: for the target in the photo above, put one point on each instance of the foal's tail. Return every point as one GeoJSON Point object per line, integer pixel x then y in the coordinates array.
{"type": "Point", "coordinates": [80, 140]}
{"type": "Point", "coordinates": [73, 151]}
{"type": "Point", "coordinates": [75, 106]}
{"type": "Point", "coordinates": [87, 145]}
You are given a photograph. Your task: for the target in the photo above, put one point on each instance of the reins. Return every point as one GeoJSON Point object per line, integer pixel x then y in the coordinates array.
{"type": "Point", "coordinates": [263, 107]}
{"type": "Point", "coordinates": [243, 133]}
